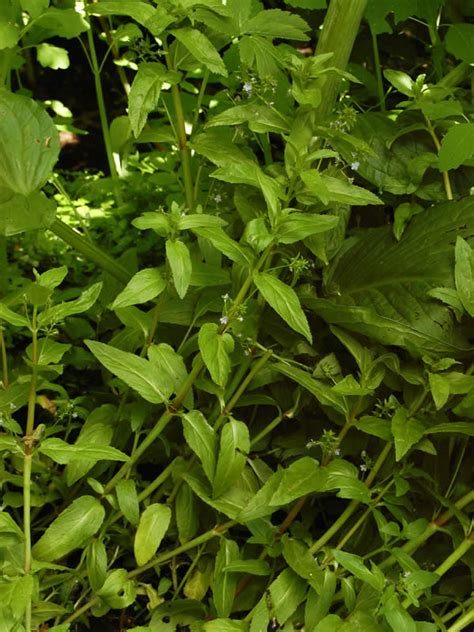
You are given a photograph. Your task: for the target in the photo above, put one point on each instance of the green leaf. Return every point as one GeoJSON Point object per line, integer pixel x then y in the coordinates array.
{"type": "Point", "coordinates": [26, 126]}
{"type": "Point", "coordinates": [158, 221]}
{"type": "Point", "coordinates": [287, 592]}
{"type": "Point", "coordinates": [166, 361]}
{"type": "Point", "coordinates": [96, 561]}
{"type": "Point", "coordinates": [57, 313]}
{"type": "Point", "coordinates": [459, 41]}
{"type": "Point", "coordinates": [19, 213]}
{"type": "Point", "coordinates": [323, 393]}
{"type": "Point", "coordinates": [284, 300]}
{"type": "Point", "coordinates": [355, 565]}
{"type": "Point", "coordinates": [276, 23]}
{"type": "Point", "coordinates": [250, 567]}
{"type": "Point", "coordinates": [215, 348]}
{"type": "Point", "coordinates": [201, 438]}
{"type": "Point", "coordinates": [397, 616]}
{"type": "Point", "coordinates": [302, 477]}
{"type": "Point", "coordinates": [179, 259]}
{"type": "Point", "coordinates": [136, 372]}
{"type": "Point", "coordinates": [50, 56]}
{"type": "Point", "coordinates": [187, 513]}
{"type": "Point", "coordinates": [297, 555]}
{"type": "Point", "coordinates": [127, 498]}
{"type": "Point", "coordinates": [403, 213]}
{"type": "Point", "coordinates": [70, 530]}
{"type": "Point", "coordinates": [224, 584]}
{"type": "Point", "coordinates": [463, 427]}
{"type": "Point", "coordinates": [400, 81]}
{"type": "Point", "coordinates": [374, 426]}
{"type": "Point", "coordinates": [143, 286]}
{"type": "Point", "coordinates": [259, 506]}
{"type": "Point", "coordinates": [152, 527]}
{"type": "Point", "coordinates": [201, 48]}
{"type": "Point", "coordinates": [234, 448]}
{"type": "Point", "coordinates": [298, 226]}
{"type": "Point", "coordinates": [378, 286]}
{"type": "Point", "coordinates": [457, 146]}
{"type": "Point", "coordinates": [224, 625]}
{"type": "Point", "coordinates": [12, 317]}
{"type": "Point", "coordinates": [220, 240]}
{"type": "Point", "coordinates": [406, 431]}
{"type": "Point", "coordinates": [62, 452]}
{"type": "Point", "coordinates": [67, 23]}
{"type": "Point", "coordinates": [439, 387]}
{"type": "Point", "coordinates": [261, 118]}
{"type": "Point", "coordinates": [152, 18]}
{"type": "Point", "coordinates": [307, 4]}
{"type": "Point", "coordinates": [117, 591]}
{"type": "Point", "coordinates": [330, 189]}
{"type": "Point", "coordinates": [145, 92]}
{"type": "Point", "coordinates": [200, 220]}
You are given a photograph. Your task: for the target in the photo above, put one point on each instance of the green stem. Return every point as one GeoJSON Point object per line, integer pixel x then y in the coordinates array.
{"type": "Point", "coordinates": [90, 251]}
{"type": "Point", "coordinates": [3, 351]}
{"type": "Point", "coordinates": [445, 174]}
{"type": "Point", "coordinates": [161, 559]}
{"type": "Point", "coordinates": [463, 622]}
{"type": "Point", "coordinates": [352, 506]}
{"type": "Point", "coordinates": [338, 34]}
{"type": "Point", "coordinates": [103, 113]}
{"type": "Point", "coordinates": [3, 266]}
{"type": "Point", "coordinates": [378, 70]}
{"type": "Point", "coordinates": [29, 442]}
{"type": "Point", "coordinates": [181, 136]}
{"type": "Point", "coordinates": [467, 604]}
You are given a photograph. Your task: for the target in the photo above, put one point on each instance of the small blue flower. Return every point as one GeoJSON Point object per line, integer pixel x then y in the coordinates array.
{"type": "Point", "coordinates": [355, 165]}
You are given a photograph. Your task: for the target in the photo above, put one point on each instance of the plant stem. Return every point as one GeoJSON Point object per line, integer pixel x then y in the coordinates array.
{"type": "Point", "coordinates": [463, 622]}
{"type": "Point", "coordinates": [103, 113]}
{"type": "Point", "coordinates": [181, 136]}
{"type": "Point", "coordinates": [445, 174]}
{"type": "Point", "coordinates": [90, 251]}
{"type": "Point", "coordinates": [378, 70]}
{"type": "Point", "coordinates": [29, 441]}
{"type": "Point", "coordinates": [340, 29]}
{"type": "Point", "coordinates": [3, 351]}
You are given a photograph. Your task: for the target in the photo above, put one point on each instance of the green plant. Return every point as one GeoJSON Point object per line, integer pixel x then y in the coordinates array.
{"type": "Point", "coordinates": [243, 424]}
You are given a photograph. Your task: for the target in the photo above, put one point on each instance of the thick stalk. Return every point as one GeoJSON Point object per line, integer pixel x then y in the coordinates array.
{"type": "Point", "coordinates": [378, 70]}
{"type": "Point", "coordinates": [28, 446]}
{"type": "Point", "coordinates": [90, 251]}
{"type": "Point", "coordinates": [340, 29]}
{"type": "Point", "coordinates": [463, 622]}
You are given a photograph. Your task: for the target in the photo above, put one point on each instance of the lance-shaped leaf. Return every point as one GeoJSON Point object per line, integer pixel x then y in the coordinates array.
{"type": "Point", "coordinates": [298, 226]}
{"type": "Point", "coordinates": [70, 530]}
{"type": "Point", "coordinates": [215, 348]}
{"type": "Point", "coordinates": [234, 447]}
{"type": "Point", "coordinates": [224, 584]}
{"type": "Point", "coordinates": [201, 438]}
{"type": "Point", "coordinates": [464, 274]}
{"type": "Point", "coordinates": [145, 92]}
{"type": "Point", "coordinates": [201, 48]}
{"type": "Point", "coordinates": [136, 372]}
{"type": "Point", "coordinates": [179, 259]}
{"type": "Point", "coordinates": [142, 287]}
{"type": "Point", "coordinates": [62, 452]}
{"type": "Point", "coordinates": [152, 527]}
{"type": "Point", "coordinates": [284, 300]}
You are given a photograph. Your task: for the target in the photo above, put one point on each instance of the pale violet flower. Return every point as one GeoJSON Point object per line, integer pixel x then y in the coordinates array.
{"type": "Point", "coordinates": [363, 468]}
{"type": "Point", "coordinates": [224, 320]}
{"type": "Point", "coordinates": [247, 88]}
{"type": "Point", "coordinates": [218, 198]}
{"type": "Point", "coordinates": [355, 165]}
{"type": "Point", "coordinates": [225, 297]}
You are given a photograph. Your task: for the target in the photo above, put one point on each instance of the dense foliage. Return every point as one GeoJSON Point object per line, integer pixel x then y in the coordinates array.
{"type": "Point", "coordinates": [235, 332]}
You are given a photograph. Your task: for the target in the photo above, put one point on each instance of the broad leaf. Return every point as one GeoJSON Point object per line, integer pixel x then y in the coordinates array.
{"type": "Point", "coordinates": [276, 23]}
{"type": "Point", "coordinates": [330, 189]}
{"type": "Point", "coordinates": [143, 286]}
{"type": "Point", "coordinates": [67, 23]}
{"type": "Point", "coordinates": [406, 431]}
{"type": "Point", "coordinates": [457, 145]}
{"type": "Point", "coordinates": [284, 300]}
{"type": "Point", "coordinates": [62, 452]}
{"type": "Point", "coordinates": [127, 497]}
{"type": "Point", "coordinates": [224, 584]}
{"type": "Point", "coordinates": [136, 372]}
{"type": "Point", "coordinates": [70, 530]}
{"type": "Point", "coordinates": [379, 286]}
{"type": "Point", "coordinates": [57, 313]}
{"type": "Point", "coordinates": [355, 565]}
{"type": "Point", "coordinates": [287, 592]}
{"type": "Point", "coordinates": [152, 527]}
{"type": "Point", "coordinates": [226, 245]}
{"type": "Point", "coordinates": [459, 41]}
{"type": "Point", "coordinates": [298, 226]}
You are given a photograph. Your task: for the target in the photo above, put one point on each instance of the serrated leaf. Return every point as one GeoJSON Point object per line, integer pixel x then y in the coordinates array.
{"type": "Point", "coordinates": [134, 371]}
{"type": "Point", "coordinates": [457, 146]}
{"type": "Point", "coordinates": [201, 438]}
{"type": "Point", "coordinates": [143, 286]}
{"type": "Point", "coordinates": [70, 530]}
{"type": "Point", "coordinates": [233, 450]}
{"type": "Point", "coordinates": [179, 259]}
{"type": "Point", "coordinates": [54, 57]}
{"type": "Point", "coordinates": [145, 92]}
{"type": "Point", "coordinates": [152, 527]}
{"type": "Point", "coordinates": [201, 48]}
{"type": "Point", "coordinates": [67, 23]}
{"type": "Point", "coordinates": [284, 300]}
{"type": "Point", "coordinates": [215, 348]}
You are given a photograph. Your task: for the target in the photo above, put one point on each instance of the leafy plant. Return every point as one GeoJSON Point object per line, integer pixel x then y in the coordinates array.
{"type": "Point", "coordinates": [241, 423]}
